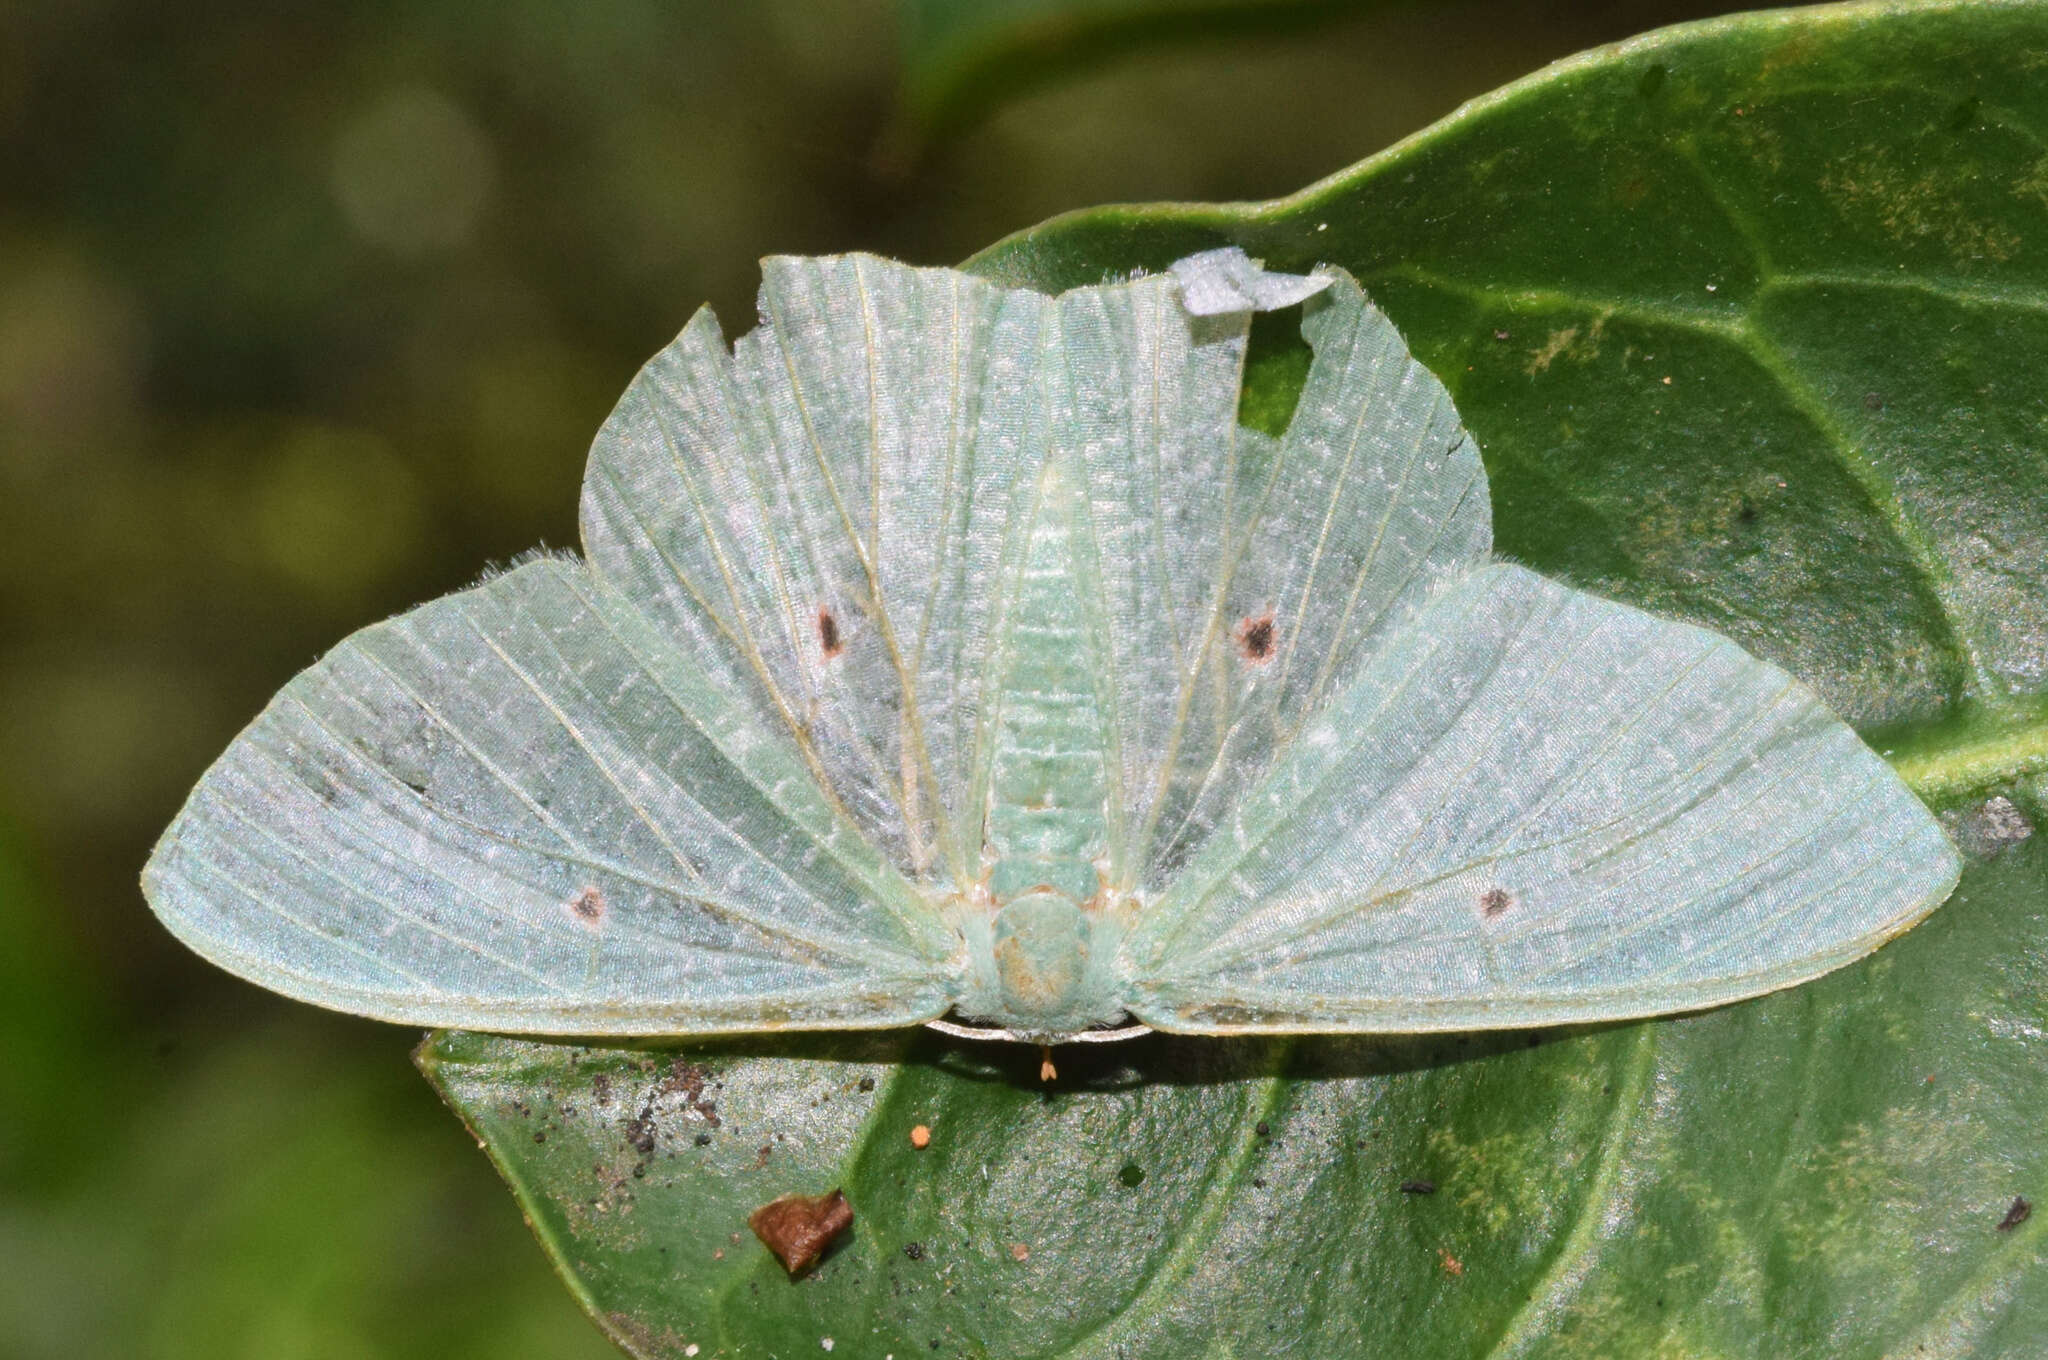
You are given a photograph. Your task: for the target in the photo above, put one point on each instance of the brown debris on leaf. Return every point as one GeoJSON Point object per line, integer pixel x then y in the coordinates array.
{"type": "Point", "coordinates": [799, 1228]}
{"type": "Point", "coordinates": [2017, 1213]}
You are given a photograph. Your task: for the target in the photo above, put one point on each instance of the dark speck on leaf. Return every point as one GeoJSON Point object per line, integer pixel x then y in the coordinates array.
{"type": "Point", "coordinates": [867, 1083]}
{"type": "Point", "coordinates": [1263, 1129]}
{"type": "Point", "coordinates": [702, 1140]}
{"type": "Point", "coordinates": [1873, 401]}
{"type": "Point", "coordinates": [1255, 637]}
{"type": "Point", "coordinates": [689, 1082]}
{"type": "Point", "coordinates": [588, 906]}
{"type": "Point", "coordinates": [828, 634]}
{"type": "Point", "coordinates": [1132, 1175]}
{"type": "Point", "coordinates": [1494, 901]}
{"type": "Point", "coordinates": [914, 1250]}
{"type": "Point", "coordinates": [799, 1228]}
{"type": "Point", "coordinates": [1651, 82]}
{"type": "Point", "coordinates": [640, 1134]}
{"type": "Point", "coordinates": [1418, 1187]}
{"type": "Point", "coordinates": [2019, 1211]}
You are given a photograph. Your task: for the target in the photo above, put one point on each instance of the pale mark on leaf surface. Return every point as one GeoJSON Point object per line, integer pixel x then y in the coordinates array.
{"type": "Point", "coordinates": [1567, 343]}
{"type": "Point", "coordinates": [1917, 205]}
{"type": "Point", "coordinates": [1988, 828]}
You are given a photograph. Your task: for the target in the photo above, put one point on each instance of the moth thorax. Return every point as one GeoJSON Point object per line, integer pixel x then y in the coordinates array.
{"type": "Point", "coordinates": [1023, 875]}
{"type": "Point", "coordinates": [1041, 953]}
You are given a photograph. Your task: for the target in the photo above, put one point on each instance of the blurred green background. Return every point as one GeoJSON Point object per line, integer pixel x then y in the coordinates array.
{"type": "Point", "coordinates": [307, 313]}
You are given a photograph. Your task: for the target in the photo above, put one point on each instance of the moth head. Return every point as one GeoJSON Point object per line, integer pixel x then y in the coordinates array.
{"type": "Point", "coordinates": [1041, 953]}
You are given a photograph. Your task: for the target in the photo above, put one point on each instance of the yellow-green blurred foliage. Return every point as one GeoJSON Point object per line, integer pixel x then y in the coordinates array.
{"type": "Point", "coordinates": [307, 313]}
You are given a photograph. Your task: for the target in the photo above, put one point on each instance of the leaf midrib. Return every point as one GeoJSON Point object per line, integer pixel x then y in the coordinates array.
{"type": "Point", "coordinates": [1975, 755]}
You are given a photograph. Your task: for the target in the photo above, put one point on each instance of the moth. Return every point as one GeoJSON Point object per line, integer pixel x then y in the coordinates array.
{"type": "Point", "coordinates": [948, 653]}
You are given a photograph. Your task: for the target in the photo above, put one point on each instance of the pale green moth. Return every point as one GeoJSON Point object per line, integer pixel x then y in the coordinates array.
{"type": "Point", "coordinates": [948, 653]}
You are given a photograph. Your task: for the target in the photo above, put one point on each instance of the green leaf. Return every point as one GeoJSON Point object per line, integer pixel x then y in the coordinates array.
{"type": "Point", "coordinates": [1829, 230]}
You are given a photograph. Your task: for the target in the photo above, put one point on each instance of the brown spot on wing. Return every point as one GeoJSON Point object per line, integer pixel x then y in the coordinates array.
{"type": "Point", "coordinates": [1255, 637]}
{"type": "Point", "coordinates": [829, 641]}
{"type": "Point", "coordinates": [799, 1228]}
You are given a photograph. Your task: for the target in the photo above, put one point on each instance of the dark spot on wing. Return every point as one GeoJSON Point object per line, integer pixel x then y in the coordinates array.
{"type": "Point", "coordinates": [799, 1228]}
{"type": "Point", "coordinates": [2020, 1210]}
{"type": "Point", "coordinates": [1255, 637]}
{"type": "Point", "coordinates": [588, 906]}
{"type": "Point", "coordinates": [1494, 901]}
{"type": "Point", "coordinates": [828, 634]}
